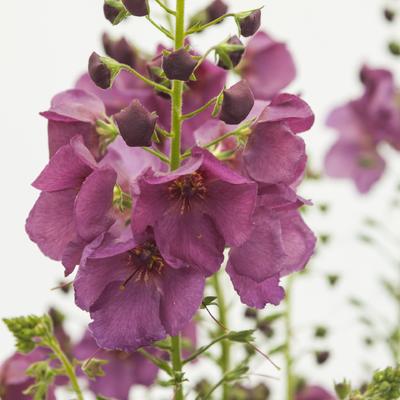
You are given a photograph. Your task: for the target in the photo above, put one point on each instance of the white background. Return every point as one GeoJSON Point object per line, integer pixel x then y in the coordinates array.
{"type": "Point", "coordinates": [45, 46]}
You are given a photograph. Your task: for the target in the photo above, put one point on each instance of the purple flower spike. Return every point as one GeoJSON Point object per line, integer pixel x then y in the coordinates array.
{"type": "Point", "coordinates": [267, 66]}
{"type": "Point", "coordinates": [250, 24]}
{"type": "Point", "coordinates": [179, 65]}
{"type": "Point", "coordinates": [362, 125]}
{"type": "Point", "coordinates": [235, 56]}
{"type": "Point", "coordinates": [99, 72]}
{"type": "Point", "coordinates": [196, 210]}
{"type": "Point", "coordinates": [134, 295]}
{"type": "Point", "coordinates": [237, 104]}
{"type": "Point", "coordinates": [136, 125]}
{"type": "Point", "coordinates": [138, 8]}
{"type": "Point", "coordinates": [274, 154]}
{"type": "Point", "coordinates": [216, 9]}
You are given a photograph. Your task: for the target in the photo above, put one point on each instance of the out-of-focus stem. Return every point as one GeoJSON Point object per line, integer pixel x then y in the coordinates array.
{"type": "Point", "coordinates": [290, 384]}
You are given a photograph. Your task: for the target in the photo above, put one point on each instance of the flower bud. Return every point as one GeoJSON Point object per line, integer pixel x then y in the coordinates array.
{"type": "Point", "coordinates": [99, 72]}
{"type": "Point", "coordinates": [139, 8]}
{"type": "Point", "coordinates": [114, 11]}
{"type": "Point", "coordinates": [321, 357]}
{"type": "Point", "coordinates": [136, 125]}
{"type": "Point", "coordinates": [230, 53]}
{"type": "Point", "coordinates": [249, 23]}
{"type": "Point", "coordinates": [179, 65]}
{"type": "Point", "coordinates": [215, 10]}
{"type": "Point", "coordinates": [389, 14]}
{"type": "Point", "coordinates": [394, 48]}
{"type": "Point", "coordinates": [119, 50]}
{"type": "Point", "coordinates": [343, 389]}
{"type": "Point", "coordinates": [237, 104]}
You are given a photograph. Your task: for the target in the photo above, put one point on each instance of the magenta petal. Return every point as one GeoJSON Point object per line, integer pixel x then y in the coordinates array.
{"type": "Point", "coordinates": [94, 202]}
{"type": "Point", "coordinates": [231, 207]}
{"type": "Point", "coordinates": [182, 294]}
{"type": "Point", "coordinates": [126, 319]}
{"type": "Point", "coordinates": [72, 255]}
{"type": "Point", "coordinates": [260, 257]}
{"type": "Point", "coordinates": [50, 223]}
{"type": "Point", "coordinates": [75, 105]}
{"type": "Point", "coordinates": [190, 237]}
{"type": "Point", "coordinates": [65, 170]}
{"type": "Point", "coordinates": [256, 294]}
{"type": "Point", "coordinates": [94, 276]}
{"type": "Point", "coordinates": [292, 110]}
{"type": "Point", "coordinates": [298, 240]}
{"type": "Point", "coordinates": [274, 154]}
{"type": "Point", "coordinates": [350, 160]}
{"type": "Point", "coordinates": [60, 134]}
{"type": "Point", "coordinates": [267, 65]}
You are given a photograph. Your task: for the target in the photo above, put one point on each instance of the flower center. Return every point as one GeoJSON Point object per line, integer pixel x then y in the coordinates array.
{"type": "Point", "coordinates": [188, 188]}
{"type": "Point", "coordinates": [146, 262]}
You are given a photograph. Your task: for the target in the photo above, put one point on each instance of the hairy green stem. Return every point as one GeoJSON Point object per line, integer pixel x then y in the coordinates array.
{"type": "Point", "coordinates": [290, 384]}
{"type": "Point", "coordinates": [177, 366]}
{"type": "Point", "coordinates": [200, 110]}
{"type": "Point", "coordinates": [177, 90]}
{"type": "Point", "coordinates": [68, 367]}
{"type": "Point", "coordinates": [224, 361]}
{"type": "Point", "coordinates": [156, 153]}
{"type": "Point", "coordinates": [211, 23]}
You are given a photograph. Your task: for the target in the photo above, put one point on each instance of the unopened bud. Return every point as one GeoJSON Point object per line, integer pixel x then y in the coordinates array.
{"type": "Point", "coordinates": [139, 8]}
{"type": "Point", "coordinates": [179, 65]}
{"type": "Point", "coordinates": [237, 104]}
{"type": "Point", "coordinates": [230, 53]}
{"type": "Point", "coordinates": [394, 48]}
{"type": "Point", "coordinates": [103, 70]}
{"type": "Point", "coordinates": [389, 14]}
{"type": "Point", "coordinates": [215, 10]}
{"type": "Point", "coordinates": [343, 389]}
{"type": "Point", "coordinates": [114, 11]}
{"type": "Point", "coordinates": [249, 23]}
{"type": "Point", "coordinates": [119, 50]}
{"type": "Point", "coordinates": [136, 124]}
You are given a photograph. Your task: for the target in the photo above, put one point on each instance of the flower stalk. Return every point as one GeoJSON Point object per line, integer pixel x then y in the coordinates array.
{"type": "Point", "coordinates": [224, 361]}
{"type": "Point", "coordinates": [177, 366]}
{"type": "Point", "coordinates": [290, 384]}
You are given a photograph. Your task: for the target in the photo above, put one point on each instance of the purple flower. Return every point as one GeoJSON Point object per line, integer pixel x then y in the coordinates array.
{"type": "Point", "coordinates": [196, 210]}
{"type": "Point", "coordinates": [280, 243]}
{"type": "Point", "coordinates": [122, 371]}
{"type": "Point", "coordinates": [362, 125]}
{"type": "Point", "coordinates": [77, 200]}
{"type": "Point", "coordinates": [74, 112]}
{"type": "Point", "coordinates": [13, 378]}
{"type": "Point", "coordinates": [314, 393]}
{"type": "Point", "coordinates": [267, 65]}
{"type": "Point", "coordinates": [134, 295]}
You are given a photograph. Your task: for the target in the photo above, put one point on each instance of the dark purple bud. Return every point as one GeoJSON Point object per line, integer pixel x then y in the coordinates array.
{"type": "Point", "coordinates": [111, 13]}
{"type": "Point", "coordinates": [389, 14]}
{"type": "Point", "coordinates": [251, 313]}
{"type": "Point", "coordinates": [250, 24]}
{"type": "Point", "coordinates": [215, 10]}
{"type": "Point", "coordinates": [119, 50]}
{"type": "Point", "coordinates": [321, 356]}
{"type": "Point", "coordinates": [230, 53]}
{"type": "Point", "coordinates": [99, 72]}
{"type": "Point", "coordinates": [179, 65]}
{"type": "Point", "coordinates": [237, 104]}
{"type": "Point", "coordinates": [136, 125]}
{"type": "Point", "coordinates": [139, 8]}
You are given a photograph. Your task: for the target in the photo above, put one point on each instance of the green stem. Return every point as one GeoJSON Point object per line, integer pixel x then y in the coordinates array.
{"type": "Point", "coordinates": [203, 349]}
{"type": "Point", "coordinates": [68, 367]}
{"type": "Point", "coordinates": [155, 85]}
{"type": "Point", "coordinates": [156, 153]}
{"type": "Point", "coordinates": [163, 30]}
{"type": "Point", "coordinates": [177, 366]}
{"type": "Point", "coordinates": [201, 109]}
{"type": "Point", "coordinates": [290, 387]}
{"type": "Point", "coordinates": [177, 90]}
{"type": "Point", "coordinates": [224, 360]}
{"type": "Point", "coordinates": [205, 26]}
